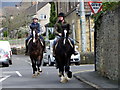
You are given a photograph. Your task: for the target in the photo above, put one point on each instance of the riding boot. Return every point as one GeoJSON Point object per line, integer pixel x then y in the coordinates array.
{"type": "Point", "coordinates": [26, 52]}
{"type": "Point", "coordinates": [44, 48]}
{"type": "Point", "coordinates": [56, 64]}
{"type": "Point", "coordinates": [53, 50]}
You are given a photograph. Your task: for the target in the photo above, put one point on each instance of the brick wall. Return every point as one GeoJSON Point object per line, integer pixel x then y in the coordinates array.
{"type": "Point", "coordinates": [107, 45]}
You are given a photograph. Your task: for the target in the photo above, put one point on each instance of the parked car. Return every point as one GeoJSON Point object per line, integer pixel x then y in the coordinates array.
{"type": "Point", "coordinates": [76, 58]}
{"type": "Point", "coordinates": [50, 60]}
{"type": "Point", "coordinates": [48, 56]}
{"type": "Point", "coordinates": [5, 45]}
{"type": "Point", "coordinates": [4, 61]}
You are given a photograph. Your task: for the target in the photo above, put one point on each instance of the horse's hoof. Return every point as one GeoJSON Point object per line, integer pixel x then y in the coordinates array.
{"type": "Point", "coordinates": [34, 75]}
{"type": "Point", "coordinates": [64, 80]}
{"type": "Point", "coordinates": [69, 74]}
{"type": "Point", "coordinates": [60, 74]}
{"type": "Point", "coordinates": [68, 78]}
{"type": "Point", "coordinates": [38, 73]}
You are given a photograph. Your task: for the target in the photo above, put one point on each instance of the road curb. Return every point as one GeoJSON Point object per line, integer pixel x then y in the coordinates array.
{"type": "Point", "coordinates": [87, 82]}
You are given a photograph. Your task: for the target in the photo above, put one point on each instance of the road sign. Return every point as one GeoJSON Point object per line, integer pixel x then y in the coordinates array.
{"type": "Point", "coordinates": [95, 6]}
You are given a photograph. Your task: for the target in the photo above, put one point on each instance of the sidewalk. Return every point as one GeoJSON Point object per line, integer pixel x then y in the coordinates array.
{"type": "Point", "coordinates": [95, 80]}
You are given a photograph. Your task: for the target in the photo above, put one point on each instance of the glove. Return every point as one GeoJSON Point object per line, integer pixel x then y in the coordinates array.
{"type": "Point", "coordinates": [38, 34]}
{"type": "Point", "coordinates": [60, 34]}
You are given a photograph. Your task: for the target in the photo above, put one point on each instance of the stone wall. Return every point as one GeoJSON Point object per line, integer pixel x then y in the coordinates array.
{"type": "Point", "coordinates": [107, 44]}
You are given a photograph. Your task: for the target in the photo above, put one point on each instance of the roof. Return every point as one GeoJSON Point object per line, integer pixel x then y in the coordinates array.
{"type": "Point", "coordinates": [32, 10]}
{"type": "Point", "coordinates": [9, 10]}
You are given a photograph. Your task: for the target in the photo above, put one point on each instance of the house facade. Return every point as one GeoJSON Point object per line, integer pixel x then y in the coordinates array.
{"type": "Point", "coordinates": [71, 10]}
{"type": "Point", "coordinates": [42, 12]}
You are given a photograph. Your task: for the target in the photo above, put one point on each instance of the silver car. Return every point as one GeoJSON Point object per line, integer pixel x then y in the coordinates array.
{"type": "Point", "coordinates": [50, 60]}
{"type": "Point", "coordinates": [4, 58]}
{"type": "Point", "coordinates": [48, 56]}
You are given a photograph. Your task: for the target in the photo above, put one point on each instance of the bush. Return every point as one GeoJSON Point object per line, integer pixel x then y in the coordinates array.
{"type": "Point", "coordinates": [87, 58]}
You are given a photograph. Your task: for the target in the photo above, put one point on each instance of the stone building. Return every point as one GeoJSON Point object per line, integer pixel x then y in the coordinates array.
{"type": "Point", "coordinates": [71, 10]}
{"type": "Point", "coordinates": [107, 45]}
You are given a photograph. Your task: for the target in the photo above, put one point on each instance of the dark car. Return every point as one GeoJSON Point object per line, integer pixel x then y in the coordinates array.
{"type": "Point", "coordinates": [4, 58]}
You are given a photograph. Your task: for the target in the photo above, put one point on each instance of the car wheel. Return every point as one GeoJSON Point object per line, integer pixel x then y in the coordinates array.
{"type": "Point", "coordinates": [5, 65]}
{"type": "Point", "coordinates": [10, 62]}
{"type": "Point", "coordinates": [77, 63]}
{"type": "Point", "coordinates": [44, 64]}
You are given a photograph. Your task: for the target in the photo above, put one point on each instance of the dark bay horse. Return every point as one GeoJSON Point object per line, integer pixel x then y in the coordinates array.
{"type": "Point", "coordinates": [36, 49]}
{"type": "Point", "coordinates": [63, 52]}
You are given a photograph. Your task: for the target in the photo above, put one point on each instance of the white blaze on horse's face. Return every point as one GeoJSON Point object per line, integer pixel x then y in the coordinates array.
{"type": "Point", "coordinates": [33, 36]}
{"type": "Point", "coordinates": [65, 32]}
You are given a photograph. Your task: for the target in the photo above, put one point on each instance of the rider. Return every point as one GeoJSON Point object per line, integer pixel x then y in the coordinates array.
{"type": "Point", "coordinates": [34, 25]}
{"type": "Point", "coordinates": [58, 31]}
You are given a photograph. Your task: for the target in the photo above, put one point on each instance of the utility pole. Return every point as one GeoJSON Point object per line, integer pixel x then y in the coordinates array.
{"type": "Point", "coordinates": [83, 25]}
{"type": "Point", "coordinates": [36, 6]}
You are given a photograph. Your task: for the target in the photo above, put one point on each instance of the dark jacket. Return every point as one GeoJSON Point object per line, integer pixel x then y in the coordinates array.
{"type": "Point", "coordinates": [35, 26]}
{"type": "Point", "coordinates": [58, 27]}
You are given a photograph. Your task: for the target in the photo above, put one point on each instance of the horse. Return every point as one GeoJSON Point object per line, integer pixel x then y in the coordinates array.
{"type": "Point", "coordinates": [63, 52]}
{"type": "Point", "coordinates": [36, 49]}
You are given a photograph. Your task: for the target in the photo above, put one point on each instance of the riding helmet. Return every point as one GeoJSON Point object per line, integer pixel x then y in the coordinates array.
{"type": "Point", "coordinates": [35, 18]}
{"type": "Point", "coordinates": [61, 14]}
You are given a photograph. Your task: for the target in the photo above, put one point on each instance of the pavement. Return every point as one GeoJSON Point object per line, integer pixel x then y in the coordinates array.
{"type": "Point", "coordinates": [95, 80]}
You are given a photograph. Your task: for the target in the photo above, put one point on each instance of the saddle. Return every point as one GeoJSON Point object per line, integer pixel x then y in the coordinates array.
{"type": "Point", "coordinates": [68, 41]}
{"type": "Point", "coordinates": [39, 39]}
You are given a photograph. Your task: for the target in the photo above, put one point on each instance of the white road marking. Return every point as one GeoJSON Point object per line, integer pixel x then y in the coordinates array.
{"type": "Point", "coordinates": [83, 71]}
{"type": "Point", "coordinates": [29, 63]}
{"type": "Point", "coordinates": [9, 72]}
{"type": "Point", "coordinates": [18, 73]}
{"type": "Point", "coordinates": [4, 78]}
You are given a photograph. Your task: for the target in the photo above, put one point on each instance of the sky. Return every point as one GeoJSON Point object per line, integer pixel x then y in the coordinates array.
{"type": "Point", "coordinates": [9, 2]}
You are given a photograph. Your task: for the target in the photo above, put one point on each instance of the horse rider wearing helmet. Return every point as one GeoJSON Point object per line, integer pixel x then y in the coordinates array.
{"type": "Point", "coordinates": [34, 25]}
{"type": "Point", "coordinates": [58, 31]}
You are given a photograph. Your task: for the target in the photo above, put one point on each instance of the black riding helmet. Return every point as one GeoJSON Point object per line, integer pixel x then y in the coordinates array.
{"type": "Point", "coordinates": [61, 14]}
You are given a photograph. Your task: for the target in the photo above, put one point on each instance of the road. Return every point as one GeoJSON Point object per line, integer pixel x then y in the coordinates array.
{"type": "Point", "coordinates": [19, 75]}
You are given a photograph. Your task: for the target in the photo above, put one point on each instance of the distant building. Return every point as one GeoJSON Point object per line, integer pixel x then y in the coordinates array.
{"type": "Point", "coordinates": [43, 13]}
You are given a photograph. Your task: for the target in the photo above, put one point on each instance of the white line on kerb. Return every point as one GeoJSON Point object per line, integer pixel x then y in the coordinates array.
{"type": "Point", "coordinates": [18, 73]}
{"type": "Point", "coordinates": [4, 78]}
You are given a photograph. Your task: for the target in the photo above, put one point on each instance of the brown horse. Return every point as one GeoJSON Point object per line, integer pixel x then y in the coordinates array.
{"type": "Point", "coordinates": [36, 49]}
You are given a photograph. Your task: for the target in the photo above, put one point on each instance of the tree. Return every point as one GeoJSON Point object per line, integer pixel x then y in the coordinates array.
{"type": "Point", "coordinates": [107, 6]}
{"type": "Point", "coordinates": [53, 19]}
{"type": "Point", "coordinates": [53, 15]}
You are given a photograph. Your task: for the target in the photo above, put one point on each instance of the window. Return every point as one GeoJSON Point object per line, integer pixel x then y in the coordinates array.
{"type": "Point", "coordinates": [42, 16]}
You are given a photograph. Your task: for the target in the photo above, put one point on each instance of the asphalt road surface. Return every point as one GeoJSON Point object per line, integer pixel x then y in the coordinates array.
{"type": "Point", "coordinates": [19, 75]}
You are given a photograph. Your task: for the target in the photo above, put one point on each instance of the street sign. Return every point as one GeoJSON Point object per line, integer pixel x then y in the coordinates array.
{"type": "Point", "coordinates": [95, 6]}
